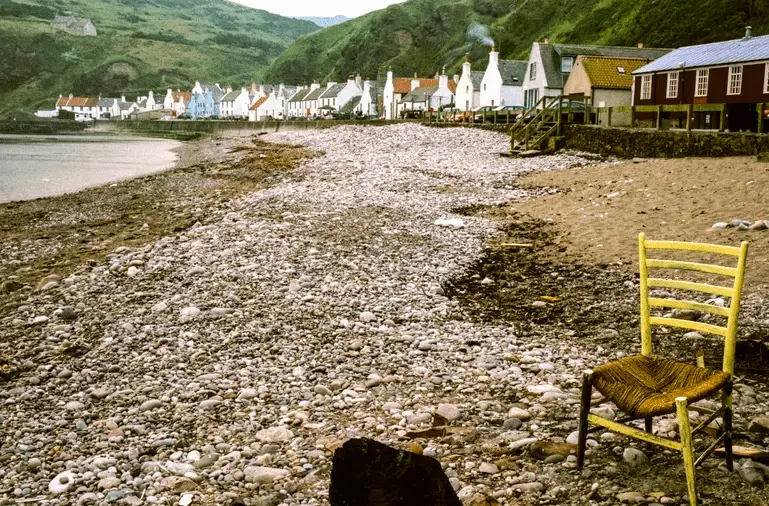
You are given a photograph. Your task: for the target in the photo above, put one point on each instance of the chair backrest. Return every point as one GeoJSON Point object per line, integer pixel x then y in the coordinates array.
{"type": "Point", "coordinates": [730, 312]}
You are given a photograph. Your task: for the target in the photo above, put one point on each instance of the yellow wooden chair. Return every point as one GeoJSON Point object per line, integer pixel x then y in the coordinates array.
{"type": "Point", "coordinates": [644, 386]}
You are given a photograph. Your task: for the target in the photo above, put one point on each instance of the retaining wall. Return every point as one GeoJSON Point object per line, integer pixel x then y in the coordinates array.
{"type": "Point", "coordinates": [53, 126]}
{"type": "Point", "coordinates": [628, 143]}
{"type": "Point", "coordinates": [232, 128]}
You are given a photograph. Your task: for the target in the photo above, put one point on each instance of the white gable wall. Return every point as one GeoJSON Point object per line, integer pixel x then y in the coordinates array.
{"type": "Point", "coordinates": [467, 98]}
{"type": "Point", "coordinates": [491, 85]}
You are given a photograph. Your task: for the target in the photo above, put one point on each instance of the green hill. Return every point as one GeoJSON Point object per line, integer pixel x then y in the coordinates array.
{"type": "Point", "coordinates": [141, 45]}
{"type": "Point", "coordinates": [423, 35]}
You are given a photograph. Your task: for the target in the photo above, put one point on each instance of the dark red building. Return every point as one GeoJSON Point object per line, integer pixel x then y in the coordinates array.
{"type": "Point", "coordinates": [734, 72]}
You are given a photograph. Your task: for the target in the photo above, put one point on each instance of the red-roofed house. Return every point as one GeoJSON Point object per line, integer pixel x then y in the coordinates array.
{"type": "Point", "coordinates": [84, 108]}
{"type": "Point", "coordinates": [396, 88]}
{"type": "Point", "coordinates": [266, 107]}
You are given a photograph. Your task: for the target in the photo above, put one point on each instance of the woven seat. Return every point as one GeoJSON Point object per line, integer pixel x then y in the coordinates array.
{"type": "Point", "coordinates": [645, 386]}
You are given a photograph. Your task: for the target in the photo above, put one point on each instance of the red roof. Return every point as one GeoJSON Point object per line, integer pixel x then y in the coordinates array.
{"type": "Point", "coordinates": [62, 101]}
{"type": "Point", "coordinates": [402, 85]}
{"type": "Point", "coordinates": [185, 95]}
{"type": "Point", "coordinates": [77, 101]}
{"type": "Point", "coordinates": [258, 103]}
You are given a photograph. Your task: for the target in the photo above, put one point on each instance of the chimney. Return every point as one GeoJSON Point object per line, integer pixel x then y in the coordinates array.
{"type": "Point", "coordinates": [330, 84]}
{"type": "Point", "coordinates": [122, 98]}
{"type": "Point", "coordinates": [229, 89]}
{"type": "Point", "coordinates": [443, 81]}
{"type": "Point", "coordinates": [414, 83]}
{"type": "Point", "coordinates": [467, 57]}
{"type": "Point", "coordinates": [456, 78]}
{"type": "Point", "coordinates": [640, 45]}
{"type": "Point", "coordinates": [390, 75]}
{"type": "Point", "coordinates": [747, 33]}
{"type": "Point", "coordinates": [315, 85]}
{"type": "Point", "coordinates": [547, 41]}
{"type": "Point", "coordinates": [358, 80]}
{"type": "Point", "coordinates": [494, 57]}
{"type": "Point", "coordinates": [352, 80]}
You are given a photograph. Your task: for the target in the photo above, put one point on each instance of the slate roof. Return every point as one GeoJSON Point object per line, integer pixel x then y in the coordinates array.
{"type": "Point", "coordinates": [420, 94]}
{"type": "Point", "coordinates": [350, 105]}
{"type": "Point", "coordinates": [259, 102]}
{"type": "Point", "coordinates": [299, 95]}
{"type": "Point", "coordinates": [605, 72]}
{"type": "Point", "coordinates": [124, 106]}
{"type": "Point", "coordinates": [315, 94]}
{"type": "Point", "coordinates": [229, 97]}
{"type": "Point", "coordinates": [716, 53]}
{"type": "Point", "coordinates": [143, 104]}
{"type": "Point", "coordinates": [551, 55]}
{"type": "Point", "coordinates": [334, 91]}
{"type": "Point", "coordinates": [107, 102]}
{"type": "Point", "coordinates": [513, 72]}
{"type": "Point", "coordinates": [476, 76]}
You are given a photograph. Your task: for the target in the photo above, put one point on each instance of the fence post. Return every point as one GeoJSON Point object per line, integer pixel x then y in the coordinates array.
{"type": "Point", "coordinates": [632, 116]}
{"type": "Point", "coordinates": [507, 122]}
{"type": "Point", "coordinates": [560, 114]}
{"type": "Point", "coordinates": [722, 124]}
{"type": "Point", "coordinates": [689, 117]}
{"type": "Point", "coordinates": [760, 107]}
{"type": "Point", "coordinates": [570, 113]}
{"type": "Point", "coordinates": [659, 117]}
{"type": "Point", "coordinates": [586, 119]}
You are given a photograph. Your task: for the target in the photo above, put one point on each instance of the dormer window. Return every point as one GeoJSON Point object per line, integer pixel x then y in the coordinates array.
{"type": "Point", "coordinates": [621, 70]}
{"type": "Point", "coordinates": [567, 62]}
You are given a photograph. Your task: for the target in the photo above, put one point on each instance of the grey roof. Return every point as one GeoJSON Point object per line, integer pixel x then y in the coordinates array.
{"type": "Point", "coordinates": [551, 57]}
{"type": "Point", "coordinates": [420, 94]}
{"type": "Point", "coordinates": [350, 105]}
{"type": "Point", "coordinates": [124, 106]}
{"type": "Point", "coordinates": [315, 94]}
{"type": "Point", "coordinates": [216, 91]}
{"type": "Point", "coordinates": [288, 91]}
{"type": "Point", "coordinates": [299, 95]}
{"type": "Point", "coordinates": [143, 103]}
{"type": "Point", "coordinates": [229, 97]}
{"type": "Point", "coordinates": [334, 91]}
{"type": "Point", "coordinates": [107, 102]}
{"type": "Point", "coordinates": [513, 71]}
{"type": "Point", "coordinates": [716, 53]}
{"type": "Point", "coordinates": [476, 76]}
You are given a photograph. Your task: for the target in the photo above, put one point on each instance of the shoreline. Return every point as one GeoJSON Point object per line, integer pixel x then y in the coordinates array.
{"type": "Point", "coordinates": [52, 236]}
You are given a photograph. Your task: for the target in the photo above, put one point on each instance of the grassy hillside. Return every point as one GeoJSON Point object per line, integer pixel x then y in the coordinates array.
{"type": "Point", "coordinates": [142, 45]}
{"type": "Point", "coordinates": [423, 35]}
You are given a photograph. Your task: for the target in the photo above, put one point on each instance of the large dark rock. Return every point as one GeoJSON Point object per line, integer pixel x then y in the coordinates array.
{"type": "Point", "coordinates": [367, 473]}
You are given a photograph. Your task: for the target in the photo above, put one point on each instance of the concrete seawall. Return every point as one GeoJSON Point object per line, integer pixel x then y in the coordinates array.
{"type": "Point", "coordinates": [231, 128]}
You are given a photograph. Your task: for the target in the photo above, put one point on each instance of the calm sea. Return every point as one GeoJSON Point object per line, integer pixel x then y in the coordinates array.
{"type": "Point", "coordinates": [34, 166]}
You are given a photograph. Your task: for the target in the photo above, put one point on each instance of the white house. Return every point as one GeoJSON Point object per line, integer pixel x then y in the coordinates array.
{"type": "Point", "coordinates": [109, 108]}
{"type": "Point", "coordinates": [173, 96]}
{"type": "Point", "coordinates": [294, 103]}
{"type": "Point", "coordinates": [235, 104]}
{"type": "Point", "coordinates": [127, 108]}
{"type": "Point", "coordinates": [502, 82]}
{"type": "Point", "coordinates": [367, 104]}
{"type": "Point", "coordinates": [430, 97]}
{"type": "Point", "coordinates": [550, 65]}
{"type": "Point", "coordinates": [337, 96]}
{"type": "Point", "coordinates": [147, 103]}
{"type": "Point", "coordinates": [84, 108]}
{"type": "Point", "coordinates": [311, 103]}
{"type": "Point", "coordinates": [397, 88]}
{"type": "Point", "coordinates": [469, 87]}
{"type": "Point", "coordinates": [264, 108]}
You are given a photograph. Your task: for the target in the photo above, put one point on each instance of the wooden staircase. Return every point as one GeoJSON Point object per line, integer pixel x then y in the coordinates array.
{"type": "Point", "coordinates": [530, 136]}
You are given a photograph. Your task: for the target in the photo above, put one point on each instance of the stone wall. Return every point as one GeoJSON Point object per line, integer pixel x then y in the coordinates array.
{"type": "Point", "coordinates": [41, 127]}
{"type": "Point", "coordinates": [483, 126]}
{"type": "Point", "coordinates": [232, 128]}
{"type": "Point", "coordinates": [627, 143]}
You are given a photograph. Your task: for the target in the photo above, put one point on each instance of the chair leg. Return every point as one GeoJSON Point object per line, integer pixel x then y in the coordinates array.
{"type": "Point", "coordinates": [727, 403]}
{"type": "Point", "coordinates": [686, 446]}
{"type": "Point", "coordinates": [584, 409]}
{"type": "Point", "coordinates": [648, 429]}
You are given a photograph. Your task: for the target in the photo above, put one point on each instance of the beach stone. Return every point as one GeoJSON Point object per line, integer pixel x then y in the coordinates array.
{"type": "Point", "coordinates": [74, 406]}
{"type": "Point", "coordinates": [108, 483]}
{"type": "Point", "coordinates": [520, 414]}
{"type": "Point", "coordinates": [759, 425]}
{"type": "Point", "coordinates": [248, 394]}
{"type": "Point", "coordinates": [368, 473]}
{"type": "Point", "coordinates": [751, 475]}
{"type": "Point", "coordinates": [487, 468]}
{"type": "Point", "coordinates": [61, 482]}
{"type": "Point", "coordinates": [448, 411]}
{"type": "Point", "coordinates": [529, 488]}
{"type": "Point", "coordinates": [150, 405]}
{"type": "Point", "coordinates": [634, 457]}
{"type": "Point", "coordinates": [630, 497]}
{"type": "Point", "coordinates": [274, 435]}
{"type": "Point", "coordinates": [10, 286]}
{"type": "Point", "coordinates": [132, 272]}
{"type": "Point", "coordinates": [322, 390]}
{"type": "Point", "coordinates": [263, 475]}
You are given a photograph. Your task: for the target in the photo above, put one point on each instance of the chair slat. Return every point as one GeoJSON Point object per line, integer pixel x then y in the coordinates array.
{"type": "Point", "coordinates": [688, 285]}
{"type": "Point", "coordinates": [690, 325]}
{"type": "Point", "coordinates": [689, 304]}
{"type": "Point", "coordinates": [692, 266]}
{"type": "Point", "coordinates": [693, 246]}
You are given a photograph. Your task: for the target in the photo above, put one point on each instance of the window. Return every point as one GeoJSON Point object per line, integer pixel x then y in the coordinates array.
{"type": "Point", "coordinates": [766, 78]}
{"type": "Point", "coordinates": [735, 80]}
{"type": "Point", "coordinates": [484, 86]}
{"type": "Point", "coordinates": [621, 70]}
{"type": "Point", "coordinates": [467, 89]}
{"type": "Point", "coordinates": [646, 87]}
{"type": "Point", "coordinates": [532, 71]}
{"type": "Point", "coordinates": [492, 103]}
{"type": "Point", "coordinates": [567, 62]}
{"type": "Point", "coordinates": [702, 83]}
{"type": "Point", "coordinates": [672, 85]}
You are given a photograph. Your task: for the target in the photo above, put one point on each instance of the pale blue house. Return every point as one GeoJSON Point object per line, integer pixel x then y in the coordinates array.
{"type": "Point", "coordinates": [202, 105]}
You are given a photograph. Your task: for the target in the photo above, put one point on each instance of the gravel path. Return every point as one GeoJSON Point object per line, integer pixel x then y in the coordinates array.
{"type": "Point", "coordinates": [231, 360]}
